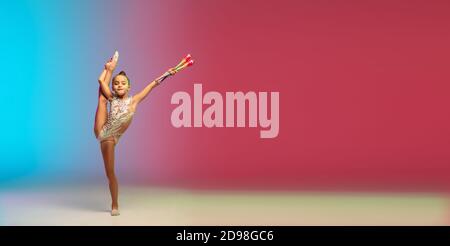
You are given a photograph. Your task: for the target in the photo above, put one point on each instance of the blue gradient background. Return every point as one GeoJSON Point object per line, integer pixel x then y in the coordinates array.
{"type": "Point", "coordinates": [46, 56]}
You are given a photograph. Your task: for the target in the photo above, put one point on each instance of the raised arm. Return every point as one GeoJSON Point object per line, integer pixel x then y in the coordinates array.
{"type": "Point", "coordinates": [143, 94]}
{"type": "Point", "coordinates": [105, 78]}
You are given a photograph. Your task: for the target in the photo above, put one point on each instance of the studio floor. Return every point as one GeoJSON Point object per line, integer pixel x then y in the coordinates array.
{"type": "Point", "coordinates": [88, 205]}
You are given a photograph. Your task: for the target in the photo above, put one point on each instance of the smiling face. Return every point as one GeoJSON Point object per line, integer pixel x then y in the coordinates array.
{"type": "Point", "coordinates": [120, 85]}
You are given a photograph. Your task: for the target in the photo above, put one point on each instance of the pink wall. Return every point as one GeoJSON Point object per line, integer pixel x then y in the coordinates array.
{"type": "Point", "coordinates": [363, 93]}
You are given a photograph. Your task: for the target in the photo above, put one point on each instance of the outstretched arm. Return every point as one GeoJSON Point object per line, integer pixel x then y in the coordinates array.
{"type": "Point", "coordinates": [143, 94]}
{"type": "Point", "coordinates": [105, 78]}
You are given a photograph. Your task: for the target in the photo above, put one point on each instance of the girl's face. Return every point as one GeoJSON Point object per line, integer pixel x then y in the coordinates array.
{"type": "Point", "coordinates": [120, 85]}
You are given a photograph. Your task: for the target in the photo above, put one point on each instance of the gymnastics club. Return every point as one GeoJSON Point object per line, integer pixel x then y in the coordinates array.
{"type": "Point", "coordinates": [185, 62]}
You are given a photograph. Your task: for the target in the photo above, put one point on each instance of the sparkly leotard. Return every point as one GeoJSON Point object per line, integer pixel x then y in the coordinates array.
{"type": "Point", "coordinates": [119, 117]}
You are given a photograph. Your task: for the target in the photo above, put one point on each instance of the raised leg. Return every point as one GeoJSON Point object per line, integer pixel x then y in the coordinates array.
{"type": "Point", "coordinates": [101, 114]}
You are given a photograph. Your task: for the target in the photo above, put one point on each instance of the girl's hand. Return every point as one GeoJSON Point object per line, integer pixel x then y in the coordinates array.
{"type": "Point", "coordinates": [111, 65]}
{"type": "Point", "coordinates": [172, 71]}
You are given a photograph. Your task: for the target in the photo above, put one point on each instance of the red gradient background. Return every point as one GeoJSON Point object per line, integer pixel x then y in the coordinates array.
{"type": "Point", "coordinates": [363, 88]}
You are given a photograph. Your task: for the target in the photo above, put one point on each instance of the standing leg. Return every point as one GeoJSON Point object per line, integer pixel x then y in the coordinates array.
{"type": "Point", "coordinates": [107, 148]}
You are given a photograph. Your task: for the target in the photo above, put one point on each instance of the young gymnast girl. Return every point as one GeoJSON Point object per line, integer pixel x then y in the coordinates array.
{"type": "Point", "coordinates": [110, 126]}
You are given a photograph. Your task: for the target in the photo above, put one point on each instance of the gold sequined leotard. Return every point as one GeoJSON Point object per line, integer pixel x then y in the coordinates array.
{"type": "Point", "coordinates": [119, 117]}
